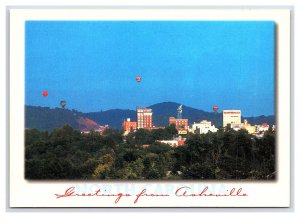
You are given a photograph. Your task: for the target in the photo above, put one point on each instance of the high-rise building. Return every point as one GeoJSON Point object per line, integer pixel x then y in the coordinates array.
{"type": "Point", "coordinates": [232, 117]}
{"type": "Point", "coordinates": [144, 117]}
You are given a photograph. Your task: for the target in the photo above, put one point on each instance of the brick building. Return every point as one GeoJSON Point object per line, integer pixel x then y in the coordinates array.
{"type": "Point", "coordinates": [129, 125]}
{"type": "Point", "coordinates": [144, 118]}
{"type": "Point", "coordinates": [179, 123]}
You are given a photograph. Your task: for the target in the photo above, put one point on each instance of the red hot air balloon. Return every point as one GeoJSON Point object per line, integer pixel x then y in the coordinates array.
{"type": "Point", "coordinates": [45, 93]}
{"type": "Point", "coordinates": [215, 108]}
{"type": "Point", "coordinates": [138, 79]}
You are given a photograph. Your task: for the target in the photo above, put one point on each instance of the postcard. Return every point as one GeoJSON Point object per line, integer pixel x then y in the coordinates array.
{"type": "Point", "coordinates": [152, 107]}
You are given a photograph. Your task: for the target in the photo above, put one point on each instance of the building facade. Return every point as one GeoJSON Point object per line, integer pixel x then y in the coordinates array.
{"type": "Point", "coordinates": [144, 118]}
{"type": "Point", "coordinates": [247, 126]}
{"type": "Point", "coordinates": [174, 143]}
{"type": "Point", "coordinates": [129, 125]}
{"type": "Point", "coordinates": [263, 127]}
{"type": "Point", "coordinates": [203, 127]}
{"type": "Point", "coordinates": [232, 117]}
{"type": "Point", "coordinates": [100, 130]}
{"type": "Point", "coordinates": [179, 123]}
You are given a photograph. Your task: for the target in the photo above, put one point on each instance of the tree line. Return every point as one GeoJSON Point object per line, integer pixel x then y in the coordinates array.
{"type": "Point", "coordinates": [65, 154]}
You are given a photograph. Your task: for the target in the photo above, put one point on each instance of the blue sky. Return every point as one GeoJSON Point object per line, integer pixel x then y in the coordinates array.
{"type": "Point", "coordinates": [93, 65]}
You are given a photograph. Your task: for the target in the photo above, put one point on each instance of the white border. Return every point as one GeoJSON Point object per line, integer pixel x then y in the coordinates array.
{"type": "Point", "coordinates": [41, 194]}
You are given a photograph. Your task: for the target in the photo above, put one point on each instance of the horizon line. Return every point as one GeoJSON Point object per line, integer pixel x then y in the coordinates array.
{"type": "Point", "coordinates": [126, 109]}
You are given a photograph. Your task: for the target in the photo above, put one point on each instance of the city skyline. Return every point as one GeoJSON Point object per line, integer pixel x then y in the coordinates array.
{"type": "Point", "coordinates": [93, 65]}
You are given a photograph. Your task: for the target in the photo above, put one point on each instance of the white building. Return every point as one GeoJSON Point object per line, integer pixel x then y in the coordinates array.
{"type": "Point", "coordinates": [203, 127]}
{"type": "Point", "coordinates": [247, 126]}
{"type": "Point", "coordinates": [172, 143]}
{"type": "Point", "coordinates": [262, 128]}
{"type": "Point", "coordinates": [232, 117]}
{"type": "Point", "coordinates": [175, 142]}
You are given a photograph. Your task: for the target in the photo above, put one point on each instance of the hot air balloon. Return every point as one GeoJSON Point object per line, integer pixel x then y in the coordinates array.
{"type": "Point", "coordinates": [215, 108]}
{"type": "Point", "coordinates": [45, 93]}
{"type": "Point", "coordinates": [138, 79]}
{"type": "Point", "coordinates": [63, 103]}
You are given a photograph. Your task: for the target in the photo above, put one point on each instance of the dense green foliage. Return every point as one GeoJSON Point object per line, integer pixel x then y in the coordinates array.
{"type": "Point", "coordinates": [67, 154]}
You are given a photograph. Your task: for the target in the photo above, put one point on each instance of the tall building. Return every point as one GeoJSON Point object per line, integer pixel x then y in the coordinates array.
{"type": "Point", "coordinates": [232, 117]}
{"type": "Point", "coordinates": [144, 117]}
{"type": "Point", "coordinates": [179, 123]}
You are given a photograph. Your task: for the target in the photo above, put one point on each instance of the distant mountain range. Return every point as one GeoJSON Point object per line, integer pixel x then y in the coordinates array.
{"type": "Point", "coordinates": [45, 118]}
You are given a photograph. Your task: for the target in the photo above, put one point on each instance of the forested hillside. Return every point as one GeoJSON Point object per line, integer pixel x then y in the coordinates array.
{"type": "Point", "coordinates": [66, 154]}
